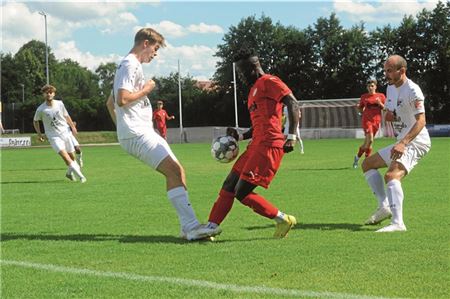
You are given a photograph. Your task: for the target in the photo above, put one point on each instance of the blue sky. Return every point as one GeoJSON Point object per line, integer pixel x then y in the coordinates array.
{"type": "Point", "coordinates": [98, 32]}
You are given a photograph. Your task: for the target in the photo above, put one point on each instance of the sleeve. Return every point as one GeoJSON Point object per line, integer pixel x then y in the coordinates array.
{"type": "Point", "coordinates": [416, 100]}
{"type": "Point", "coordinates": [362, 101]}
{"type": "Point", "coordinates": [63, 110]}
{"type": "Point", "coordinates": [126, 76]}
{"type": "Point", "coordinates": [37, 115]}
{"type": "Point", "coordinates": [276, 89]}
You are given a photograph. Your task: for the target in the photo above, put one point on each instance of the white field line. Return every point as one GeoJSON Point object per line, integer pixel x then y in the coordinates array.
{"type": "Point", "coordinates": [189, 282]}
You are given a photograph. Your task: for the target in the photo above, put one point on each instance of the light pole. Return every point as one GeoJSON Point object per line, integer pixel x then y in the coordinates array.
{"type": "Point", "coordinates": [23, 101]}
{"type": "Point", "coordinates": [46, 47]}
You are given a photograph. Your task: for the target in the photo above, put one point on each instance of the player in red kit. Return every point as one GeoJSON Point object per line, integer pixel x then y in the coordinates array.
{"type": "Point", "coordinates": [159, 119]}
{"type": "Point", "coordinates": [370, 105]}
{"type": "Point", "coordinates": [258, 165]}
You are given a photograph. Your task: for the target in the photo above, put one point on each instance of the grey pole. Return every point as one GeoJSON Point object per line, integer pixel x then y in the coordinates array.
{"type": "Point", "coordinates": [46, 46]}
{"type": "Point", "coordinates": [23, 100]}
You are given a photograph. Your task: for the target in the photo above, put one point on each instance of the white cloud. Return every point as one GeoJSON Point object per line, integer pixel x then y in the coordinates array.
{"type": "Point", "coordinates": [170, 29]}
{"type": "Point", "coordinates": [205, 28]}
{"type": "Point", "coordinates": [198, 61]}
{"type": "Point", "coordinates": [167, 28]}
{"type": "Point", "coordinates": [381, 12]}
{"type": "Point", "coordinates": [69, 50]}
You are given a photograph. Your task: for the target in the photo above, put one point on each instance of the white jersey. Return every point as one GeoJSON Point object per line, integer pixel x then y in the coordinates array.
{"type": "Point", "coordinates": [133, 119]}
{"type": "Point", "coordinates": [53, 117]}
{"type": "Point", "coordinates": [407, 101]}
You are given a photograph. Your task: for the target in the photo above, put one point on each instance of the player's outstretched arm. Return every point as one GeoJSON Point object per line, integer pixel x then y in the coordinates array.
{"type": "Point", "coordinates": [110, 106]}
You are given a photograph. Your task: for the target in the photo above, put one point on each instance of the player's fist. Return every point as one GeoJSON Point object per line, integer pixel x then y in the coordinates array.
{"type": "Point", "coordinates": [149, 86]}
{"type": "Point", "coordinates": [40, 138]}
{"type": "Point", "coordinates": [288, 146]}
{"type": "Point", "coordinates": [233, 133]}
{"type": "Point", "coordinates": [390, 116]}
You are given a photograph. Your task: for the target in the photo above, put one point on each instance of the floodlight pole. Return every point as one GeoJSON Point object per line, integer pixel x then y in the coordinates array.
{"type": "Point", "coordinates": [23, 101]}
{"type": "Point", "coordinates": [235, 97]}
{"type": "Point", "coordinates": [46, 46]}
{"type": "Point", "coordinates": [179, 103]}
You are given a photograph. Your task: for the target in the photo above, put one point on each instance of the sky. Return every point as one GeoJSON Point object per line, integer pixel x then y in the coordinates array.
{"type": "Point", "coordinates": [95, 32]}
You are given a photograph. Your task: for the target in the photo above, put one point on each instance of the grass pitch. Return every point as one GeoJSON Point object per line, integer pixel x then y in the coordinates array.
{"type": "Point", "coordinates": [117, 235]}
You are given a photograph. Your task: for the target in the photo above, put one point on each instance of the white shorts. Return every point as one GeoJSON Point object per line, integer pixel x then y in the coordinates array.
{"type": "Point", "coordinates": [150, 148]}
{"type": "Point", "coordinates": [413, 153]}
{"type": "Point", "coordinates": [60, 143]}
{"type": "Point", "coordinates": [74, 140]}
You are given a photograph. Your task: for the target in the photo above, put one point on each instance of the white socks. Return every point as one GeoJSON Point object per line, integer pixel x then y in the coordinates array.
{"type": "Point", "coordinates": [178, 196]}
{"type": "Point", "coordinates": [375, 181]}
{"type": "Point", "coordinates": [395, 195]}
{"type": "Point", "coordinates": [76, 168]}
{"type": "Point", "coordinates": [280, 217]}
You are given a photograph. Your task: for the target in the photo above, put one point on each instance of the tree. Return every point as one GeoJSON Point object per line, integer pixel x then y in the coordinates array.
{"type": "Point", "coordinates": [105, 73]}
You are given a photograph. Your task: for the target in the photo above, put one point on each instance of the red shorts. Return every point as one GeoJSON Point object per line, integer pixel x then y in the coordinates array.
{"type": "Point", "coordinates": [162, 131]}
{"type": "Point", "coordinates": [370, 127]}
{"type": "Point", "coordinates": [259, 164]}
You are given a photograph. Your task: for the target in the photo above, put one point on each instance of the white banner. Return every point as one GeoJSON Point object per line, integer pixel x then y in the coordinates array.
{"type": "Point", "coordinates": [15, 142]}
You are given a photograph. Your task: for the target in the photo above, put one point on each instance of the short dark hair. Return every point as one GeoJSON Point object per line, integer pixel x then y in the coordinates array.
{"type": "Point", "coordinates": [244, 53]}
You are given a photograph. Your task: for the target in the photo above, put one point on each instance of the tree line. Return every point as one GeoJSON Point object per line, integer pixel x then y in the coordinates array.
{"type": "Point", "coordinates": [322, 61]}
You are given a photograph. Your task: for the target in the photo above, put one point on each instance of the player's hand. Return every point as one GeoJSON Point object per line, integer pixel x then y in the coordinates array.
{"type": "Point", "coordinates": [289, 146]}
{"type": "Point", "coordinates": [397, 151]}
{"type": "Point", "coordinates": [149, 86]}
{"type": "Point", "coordinates": [389, 116]}
{"type": "Point", "coordinates": [233, 133]}
{"type": "Point", "coordinates": [41, 138]}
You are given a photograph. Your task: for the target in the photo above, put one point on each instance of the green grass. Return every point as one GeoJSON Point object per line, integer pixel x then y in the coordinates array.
{"type": "Point", "coordinates": [121, 221]}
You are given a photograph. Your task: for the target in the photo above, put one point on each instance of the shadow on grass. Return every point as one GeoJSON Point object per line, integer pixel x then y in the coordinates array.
{"type": "Point", "coordinates": [320, 169]}
{"type": "Point", "coordinates": [33, 169]}
{"type": "Point", "coordinates": [33, 182]}
{"type": "Point", "coordinates": [319, 226]}
{"type": "Point", "coordinates": [93, 238]}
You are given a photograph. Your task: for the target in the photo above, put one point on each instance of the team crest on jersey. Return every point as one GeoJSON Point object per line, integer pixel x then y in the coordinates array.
{"type": "Point", "coordinates": [418, 104]}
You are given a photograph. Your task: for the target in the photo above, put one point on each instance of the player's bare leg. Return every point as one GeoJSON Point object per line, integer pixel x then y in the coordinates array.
{"type": "Point", "coordinates": [393, 177]}
{"type": "Point", "coordinates": [245, 194]}
{"type": "Point", "coordinates": [374, 179]}
{"type": "Point", "coordinates": [191, 228]}
{"type": "Point", "coordinates": [73, 166]}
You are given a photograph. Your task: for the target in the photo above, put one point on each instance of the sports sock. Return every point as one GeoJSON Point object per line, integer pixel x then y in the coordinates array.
{"type": "Point", "coordinates": [395, 196]}
{"type": "Point", "coordinates": [368, 152]}
{"type": "Point", "coordinates": [280, 217]}
{"type": "Point", "coordinates": [375, 181]}
{"type": "Point", "coordinates": [179, 198]}
{"type": "Point", "coordinates": [300, 141]}
{"type": "Point", "coordinates": [221, 207]}
{"type": "Point", "coordinates": [76, 168]}
{"type": "Point", "coordinates": [260, 205]}
{"type": "Point", "coordinates": [360, 152]}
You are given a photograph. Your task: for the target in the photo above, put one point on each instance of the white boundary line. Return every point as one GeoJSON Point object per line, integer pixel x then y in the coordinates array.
{"type": "Point", "coordinates": [189, 282]}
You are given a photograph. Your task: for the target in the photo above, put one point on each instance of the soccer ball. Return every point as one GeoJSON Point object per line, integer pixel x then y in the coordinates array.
{"type": "Point", "coordinates": [224, 149]}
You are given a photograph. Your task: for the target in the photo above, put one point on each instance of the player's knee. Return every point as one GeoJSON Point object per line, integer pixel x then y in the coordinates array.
{"type": "Point", "coordinates": [230, 182]}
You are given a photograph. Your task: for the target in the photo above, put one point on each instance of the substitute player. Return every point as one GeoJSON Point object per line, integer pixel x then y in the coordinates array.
{"type": "Point", "coordinates": [160, 116]}
{"type": "Point", "coordinates": [258, 165]}
{"type": "Point", "coordinates": [405, 104]}
{"type": "Point", "coordinates": [55, 118]}
{"type": "Point", "coordinates": [132, 113]}
{"type": "Point", "coordinates": [370, 105]}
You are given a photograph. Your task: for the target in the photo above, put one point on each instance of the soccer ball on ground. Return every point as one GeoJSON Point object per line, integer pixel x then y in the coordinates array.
{"type": "Point", "coordinates": [224, 149]}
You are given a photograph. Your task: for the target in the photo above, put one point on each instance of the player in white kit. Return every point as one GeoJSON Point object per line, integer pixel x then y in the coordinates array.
{"type": "Point", "coordinates": [132, 113]}
{"type": "Point", "coordinates": [55, 118]}
{"type": "Point", "coordinates": [405, 106]}
{"type": "Point", "coordinates": [286, 128]}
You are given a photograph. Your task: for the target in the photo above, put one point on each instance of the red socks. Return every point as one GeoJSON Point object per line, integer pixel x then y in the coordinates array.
{"type": "Point", "coordinates": [221, 207]}
{"type": "Point", "coordinates": [260, 205]}
{"type": "Point", "coordinates": [368, 152]}
{"type": "Point", "coordinates": [360, 152]}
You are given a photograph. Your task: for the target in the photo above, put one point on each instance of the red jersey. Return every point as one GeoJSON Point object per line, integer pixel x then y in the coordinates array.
{"type": "Point", "coordinates": [160, 116]}
{"type": "Point", "coordinates": [372, 111]}
{"type": "Point", "coordinates": [265, 107]}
